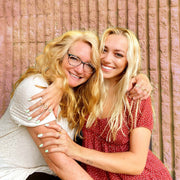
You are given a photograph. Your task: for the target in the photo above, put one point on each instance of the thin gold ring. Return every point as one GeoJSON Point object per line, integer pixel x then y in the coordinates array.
{"type": "Point", "coordinates": [50, 110]}
{"type": "Point", "coordinates": [145, 90]}
{"type": "Point", "coordinates": [137, 85]}
{"type": "Point", "coordinates": [41, 102]}
{"type": "Point", "coordinates": [59, 134]}
{"type": "Point", "coordinates": [45, 106]}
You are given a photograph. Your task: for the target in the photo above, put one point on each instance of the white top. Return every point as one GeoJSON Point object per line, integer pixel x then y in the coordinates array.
{"type": "Point", "coordinates": [19, 155]}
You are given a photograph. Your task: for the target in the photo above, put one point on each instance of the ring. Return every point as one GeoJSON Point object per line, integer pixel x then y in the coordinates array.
{"type": "Point", "coordinates": [45, 106]}
{"type": "Point", "coordinates": [59, 134]}
{"type": "Point", "coordinates": [41, 102]}
{"type": "Point", "coordinates": [137, 85]}
{"type": "Point", "coordinates": [145, 90]}
{"type": "Point", "coordinates": [50, 110]}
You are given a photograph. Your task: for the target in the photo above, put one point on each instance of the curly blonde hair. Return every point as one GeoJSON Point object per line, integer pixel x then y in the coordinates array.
{"type": "Point", "coordinates": [76, 102]}
{"type": "Point", "coordinates": [121, 103]}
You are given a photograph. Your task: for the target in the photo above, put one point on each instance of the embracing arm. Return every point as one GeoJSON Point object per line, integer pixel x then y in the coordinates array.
{"type": "Point", "coordinates": [62, 165]}
{"type": "Point", "coordinates": [139, 88]}
{"type": "Point", "coordinates": [131, 162]}
{"type": "Point", "coordinates": [50, 98]}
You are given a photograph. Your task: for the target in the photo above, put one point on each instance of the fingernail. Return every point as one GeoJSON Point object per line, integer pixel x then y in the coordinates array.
{"type": "Point", "coordinates": [46, 125]}
{"type": "Point", "coordinates": [29, 118]}
{"type": "Point", "coordinates": [27, 110]}
{"type": "Point", "coordinates": [39, 135]}
{"type": "Point", "coordinates": [46, 151]}
{"type": "Point", "coordinates": [38, 121]}
{"type": "Point", "coordinates": [29, 99]}
{"type": "Point", "coordinates": [41, 145]}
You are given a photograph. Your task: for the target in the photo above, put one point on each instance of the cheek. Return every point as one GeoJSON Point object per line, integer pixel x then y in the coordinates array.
{"type": "Point", "coordinates": [125, 63]}
{"type": "Point", "coordinates": [65, 65]}
{"type": "Point", "coordinates": [87, 77]}
{"type": "Point", "coordinates": [102, 56]}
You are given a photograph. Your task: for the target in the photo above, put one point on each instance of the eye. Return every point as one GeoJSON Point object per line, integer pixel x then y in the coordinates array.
{"type": "Point", "coordinates": [119, 55]}
{"type": "Point", "coordinates": [73, 57]}
{"type": "Point", "coordinates": [104, 50]}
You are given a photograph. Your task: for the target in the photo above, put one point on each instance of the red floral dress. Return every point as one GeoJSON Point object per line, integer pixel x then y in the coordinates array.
{"type": "Point", "coordinates": [94, 139]}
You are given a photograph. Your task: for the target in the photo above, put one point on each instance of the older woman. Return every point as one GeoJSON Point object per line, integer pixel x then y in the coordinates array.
{"type": "Point", "coordinates": [78, 81]}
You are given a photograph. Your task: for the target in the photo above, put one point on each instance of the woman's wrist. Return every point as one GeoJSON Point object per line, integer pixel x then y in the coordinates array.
{"type": "Point", "coordinates": [77, 152]}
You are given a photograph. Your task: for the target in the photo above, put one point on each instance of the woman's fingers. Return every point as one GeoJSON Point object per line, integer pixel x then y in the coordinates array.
{"type": "Point", "coordinates": [36, 105]}
{"type": "Point", "coordinates": [139, 92]}
{"type": "Point", "coordinates": [50, 143]}
{"type": "Point", "coordinates": [53, 145]}
{"type": "Point", "coordinates": [53, 149]}
{"type": "Point", "coordinates": [56, 134]}
{"type": "Point", "coordinates": [140, 87]}
{"type": "Point", "coordinates": [44, 110]}
{"type": "Point", "coordinates": [39, 95]}
{"type": "Point", "coordinates": [44, 114]}
{"type": "Point", "coordinates": [48, 101]}
{"type": "Point", "coordinates": [56, 127]}
{"type": "Point", "coordinates": [37, 112]}
{"type": "Point", "coordinates": [49, 135]}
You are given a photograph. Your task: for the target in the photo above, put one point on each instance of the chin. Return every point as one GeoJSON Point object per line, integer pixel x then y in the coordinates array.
{"type": "Point", "coordinates": [74, 84]}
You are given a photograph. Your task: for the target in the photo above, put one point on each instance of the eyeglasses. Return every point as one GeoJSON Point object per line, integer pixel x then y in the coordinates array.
{"type": "Point", "coordinates": [76, 61]}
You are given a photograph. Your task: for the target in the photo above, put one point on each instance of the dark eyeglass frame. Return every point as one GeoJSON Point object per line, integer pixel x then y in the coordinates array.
{"type": "Point", "coordinates": [81, 62]}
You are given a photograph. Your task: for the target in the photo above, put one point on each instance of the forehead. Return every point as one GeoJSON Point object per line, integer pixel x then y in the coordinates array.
{"type": "Point", "coordinates": [78, 45]}
{"type": "Point", "coordinates": [82, 50]}
{"type": "Point", "coordinates": [117, 41]}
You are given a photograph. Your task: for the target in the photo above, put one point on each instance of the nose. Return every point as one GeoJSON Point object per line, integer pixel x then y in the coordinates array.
{"type": "Point", "coordinates": [107, 57]}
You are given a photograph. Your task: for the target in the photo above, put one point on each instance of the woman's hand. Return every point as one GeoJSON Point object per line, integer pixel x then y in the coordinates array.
{"type": "Point", "coordinates": [61, 141]}
{"type": "Point", "coordinates": [50, 99]}
{"type": "Point", "coordinates": [140, 87]}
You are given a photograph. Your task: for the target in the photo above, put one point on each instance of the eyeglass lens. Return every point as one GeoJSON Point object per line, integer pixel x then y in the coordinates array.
{"type": "Point", "coordinates": [76, 61]}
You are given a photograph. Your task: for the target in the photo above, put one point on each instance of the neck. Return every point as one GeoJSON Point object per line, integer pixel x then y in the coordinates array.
{"type": "Point", "coordinates": [109, 83]}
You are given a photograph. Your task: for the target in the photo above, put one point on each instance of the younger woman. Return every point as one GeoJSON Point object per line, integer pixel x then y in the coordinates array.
{"type": "Point", "coordinates": [116, 144]}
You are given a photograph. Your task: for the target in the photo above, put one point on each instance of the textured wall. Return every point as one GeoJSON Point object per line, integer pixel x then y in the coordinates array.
{"type": "Point", "coordinates": [26, 25]}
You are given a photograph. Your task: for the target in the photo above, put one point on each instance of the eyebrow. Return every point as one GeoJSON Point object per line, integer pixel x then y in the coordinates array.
{"type": "Point", "coordinates": [117, 50]}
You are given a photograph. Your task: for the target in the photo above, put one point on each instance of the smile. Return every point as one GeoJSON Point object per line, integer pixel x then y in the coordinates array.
{"type": "Point", "coordinates": [75, 76]}
{"type": "Point", "coordinates": [106, 67]}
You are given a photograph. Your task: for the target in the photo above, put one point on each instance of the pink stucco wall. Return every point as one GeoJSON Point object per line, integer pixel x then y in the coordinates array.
{"type": "Point", "coordinates": [25, 26]}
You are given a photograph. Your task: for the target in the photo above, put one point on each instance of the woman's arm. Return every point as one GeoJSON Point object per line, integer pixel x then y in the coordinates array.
{"type": "Point", "coordinates": [50, 99]}
{"type": "Point", "coordinates": [64, 166]}
{"type": "Point", "coordinates": [19, 114]}
{"type": "Point", "coordinates": [139, 88]}
{"type": "Point", "coordinates": [131, 162]}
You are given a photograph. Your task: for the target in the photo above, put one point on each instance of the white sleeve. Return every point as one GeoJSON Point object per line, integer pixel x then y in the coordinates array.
{"type": "Point", "coordinates": [19, 103]}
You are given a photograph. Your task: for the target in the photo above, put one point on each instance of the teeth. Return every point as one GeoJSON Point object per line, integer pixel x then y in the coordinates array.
{"type": "Point", "coordinates": [105, 67]}
{"type": "Point", "coordinates": [75, 76]}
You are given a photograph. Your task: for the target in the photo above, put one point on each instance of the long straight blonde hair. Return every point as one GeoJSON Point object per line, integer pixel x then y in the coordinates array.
{"type": "Point", "coordinates": [80, 101]}
{"type": "Point", "coordinates": [121, 103]}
